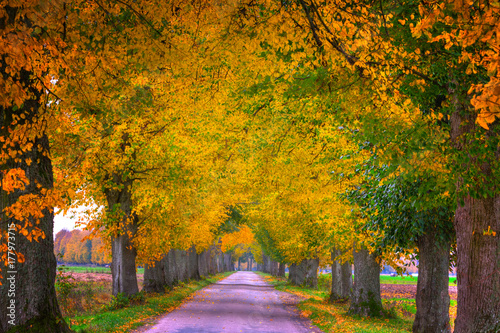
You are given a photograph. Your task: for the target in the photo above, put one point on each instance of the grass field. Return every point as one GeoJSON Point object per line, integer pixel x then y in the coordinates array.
{"type": "Point", "coordinates": [406, 280]}
{"type": "Point", "coordinates": [91, 269]}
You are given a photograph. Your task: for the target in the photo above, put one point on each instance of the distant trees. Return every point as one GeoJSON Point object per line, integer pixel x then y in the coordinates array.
{"type": "Point", "coordinates": [75, 247]}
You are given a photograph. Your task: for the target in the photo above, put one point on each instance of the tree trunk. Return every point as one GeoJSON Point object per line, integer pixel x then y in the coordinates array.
{"type": "Point", "coordinates": [281, 269]}
{"type": "Point", "coordinates": [202, 264]}
{"type": "Point", "coordinates": [123, 253]}
{"type": "Point", "coordinates": [182, 268]}
{"type": "Point", "coordinates": [291, 273]}
{"type": "Point", "coordinates": [29, 284]}
{"type": "Point", "coordinates": [194, 272]}
{"type": "Point", "coordinates": [433, 298]}
{"type": "Point", "coordinates": [265, 263]}
{"type": "Point", "coordinates": [227, 262]}
{"type": "Point", "coordinates": [154, 280]}
{"type": "Point", "coordinates": [311, 269]}
{"type": "Point", "coordinates": [365, 299]}
{"type": "Point", "coordinates": [213, 261]}
{"type": "Point", "coordinates": [170, 273]}
{"type": "Point", "coordinates": [274, 268]}
{"type": "Point", "coordinates": [478, 266]}
{"type": "Point", "coordinates": [341, 279]}
{"type": "Point", "coordinates": [305, 273]}
{"type": "Point", "coordinates": [478, 253]}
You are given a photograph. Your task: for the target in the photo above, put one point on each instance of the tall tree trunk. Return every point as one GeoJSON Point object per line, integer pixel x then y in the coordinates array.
{"type": "Point", "coordinates": [202, 264]}
{"type": "Point", "coordinates": [213, 260]}
{"type": "Point", "coordinates": [478, 266]}
{"type": "Point", "coordinates": [478, 253]}
{"type": "Point", "coordinates": [27, 295]}
{"type": "Point", "coordinates": [281, 269]}
{"type": "Point", "coordinates": [311, 269]}
{"type": "Point", "coordinates": [366, 300]}
{"type": "Point", "coordinates": [265, 263]}
{"type": "Point", "coordinates": [433, 298]}
{"type": "Point", "coordinates": [274, 268]}
{"type": "Point", "coordinates": [181, 260]}
{"type": "Point", "coordinates": [239, 264]}
{"type": "Point", "coordinates": [227, 262]}
{"type": "Point", "coordinates": [123, 254]}
{"type": "Point", "coordinates": [291, 273]}
{"type": "Point", "coordinates": [170, 273]}
{"type": "Point", "coordinates": [154, 280]}
{"type": "Point", "coordinates": [305, 273]}
{"type": "Point", "coordinates": [341, 278]}
{"type": "Point", "coordinates": [194, 272]}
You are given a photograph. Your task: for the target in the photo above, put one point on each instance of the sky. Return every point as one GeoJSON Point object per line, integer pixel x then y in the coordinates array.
{"type": "Point", "coordinates": [68, 221]}
{"type": "Point", "coordinates": [63, 222]}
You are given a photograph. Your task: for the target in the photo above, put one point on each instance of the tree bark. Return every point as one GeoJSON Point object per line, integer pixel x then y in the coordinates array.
{"type": "Point", "coordinates": [265, 263]}
{"type": "Point", "coordinates": [123, 254]}
{"type": "Point", "coordinates": [366, 300]}
{"type": "Point", "coordinates": [274, 268]}
{"type": "Point", "coordinates": [305, 273]}
{"type": "Point", "coordinates": [311, 269]}
{"type": "Point", "coordinates": [170, 273]}
{"type": "Point", "coordinates": [203, 264]}
{"type": "Point", "coordinates": [30, 285]}
{"type": "Point", "coordinates": [478, 266]}
{"type": "Point", "coordinates": [154, 280]}
{"type": "Point", "coordinates": [182, 268]}
{"type": "Point", "coordinates": [341, 279]}
{"type": "Point", "coordinates": [291, 273]}
{"type": "Point", "coordinates": [194, 272]}
{"type": "Point", "coordinates": [213, 269]}
{"type": "Point", "coordinates": [433, 298]}
{"type": "Point", "coordinates": [227, 262]}
{"type": "Point", "coordinates": [478, 253]}
{"type": "Point", "coordinates": [281, 269]}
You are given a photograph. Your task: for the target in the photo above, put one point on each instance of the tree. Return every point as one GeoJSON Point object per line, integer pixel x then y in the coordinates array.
{"type": "Point", "coordinates": [395, 208]}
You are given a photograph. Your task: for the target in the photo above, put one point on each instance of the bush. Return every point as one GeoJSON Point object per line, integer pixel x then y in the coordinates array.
{"type": "Point", "coordinates": [325, 282]}
{"type": "Point", "coordinates": [121, 301]}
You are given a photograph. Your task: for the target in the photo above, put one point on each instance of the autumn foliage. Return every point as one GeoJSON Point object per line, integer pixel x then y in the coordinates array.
{"type": "Point", "coordinates": [313, 119]}
{"type": "Point", "coordinates": [75, 246]}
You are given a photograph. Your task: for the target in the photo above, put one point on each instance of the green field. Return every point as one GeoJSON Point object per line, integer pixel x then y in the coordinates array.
{"type": "Point", "coordinates": [90, 269]}
{"type": "Point", "coordinates": [407, 280]}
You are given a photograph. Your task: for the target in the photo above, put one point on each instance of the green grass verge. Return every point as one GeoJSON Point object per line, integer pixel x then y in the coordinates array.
{"type": "Point", "coordinates": [131, 317]}
{"type": "Point", "coordinates": [92, 269]}
{"type": "Point", "coordinates": [334, 317]}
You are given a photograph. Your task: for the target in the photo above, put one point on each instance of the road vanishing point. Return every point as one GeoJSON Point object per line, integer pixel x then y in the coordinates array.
{"type": "Point", "coordinates": [243, 302]}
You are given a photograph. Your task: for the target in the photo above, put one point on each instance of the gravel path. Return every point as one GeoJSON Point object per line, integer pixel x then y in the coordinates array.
{"type": "Point", "coordinates": [242, 302]}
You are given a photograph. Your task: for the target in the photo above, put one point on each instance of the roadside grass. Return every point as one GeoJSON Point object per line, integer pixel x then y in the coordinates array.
{"type": "Point", "coordinates": [90, 269]}
{"type": "Point", "coordinates": [334, 317]}
{"type": "Point", "coordinates": [139, 311]}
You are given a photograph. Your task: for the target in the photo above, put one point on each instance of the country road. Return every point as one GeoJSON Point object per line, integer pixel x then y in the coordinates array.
{"type": "Point", "coordinates": [242, 302]}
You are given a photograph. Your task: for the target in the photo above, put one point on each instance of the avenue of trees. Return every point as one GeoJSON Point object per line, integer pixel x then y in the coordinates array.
{"type": "Point", "coordinates": [302, 132]}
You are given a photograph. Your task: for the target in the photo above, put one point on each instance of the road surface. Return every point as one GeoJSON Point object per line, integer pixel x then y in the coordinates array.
{"type": "Point", "coordinates": [242, 302]}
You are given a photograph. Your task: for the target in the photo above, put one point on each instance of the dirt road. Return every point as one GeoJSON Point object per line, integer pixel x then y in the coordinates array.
{"type": "Point", "coordinates": [242, 302]}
